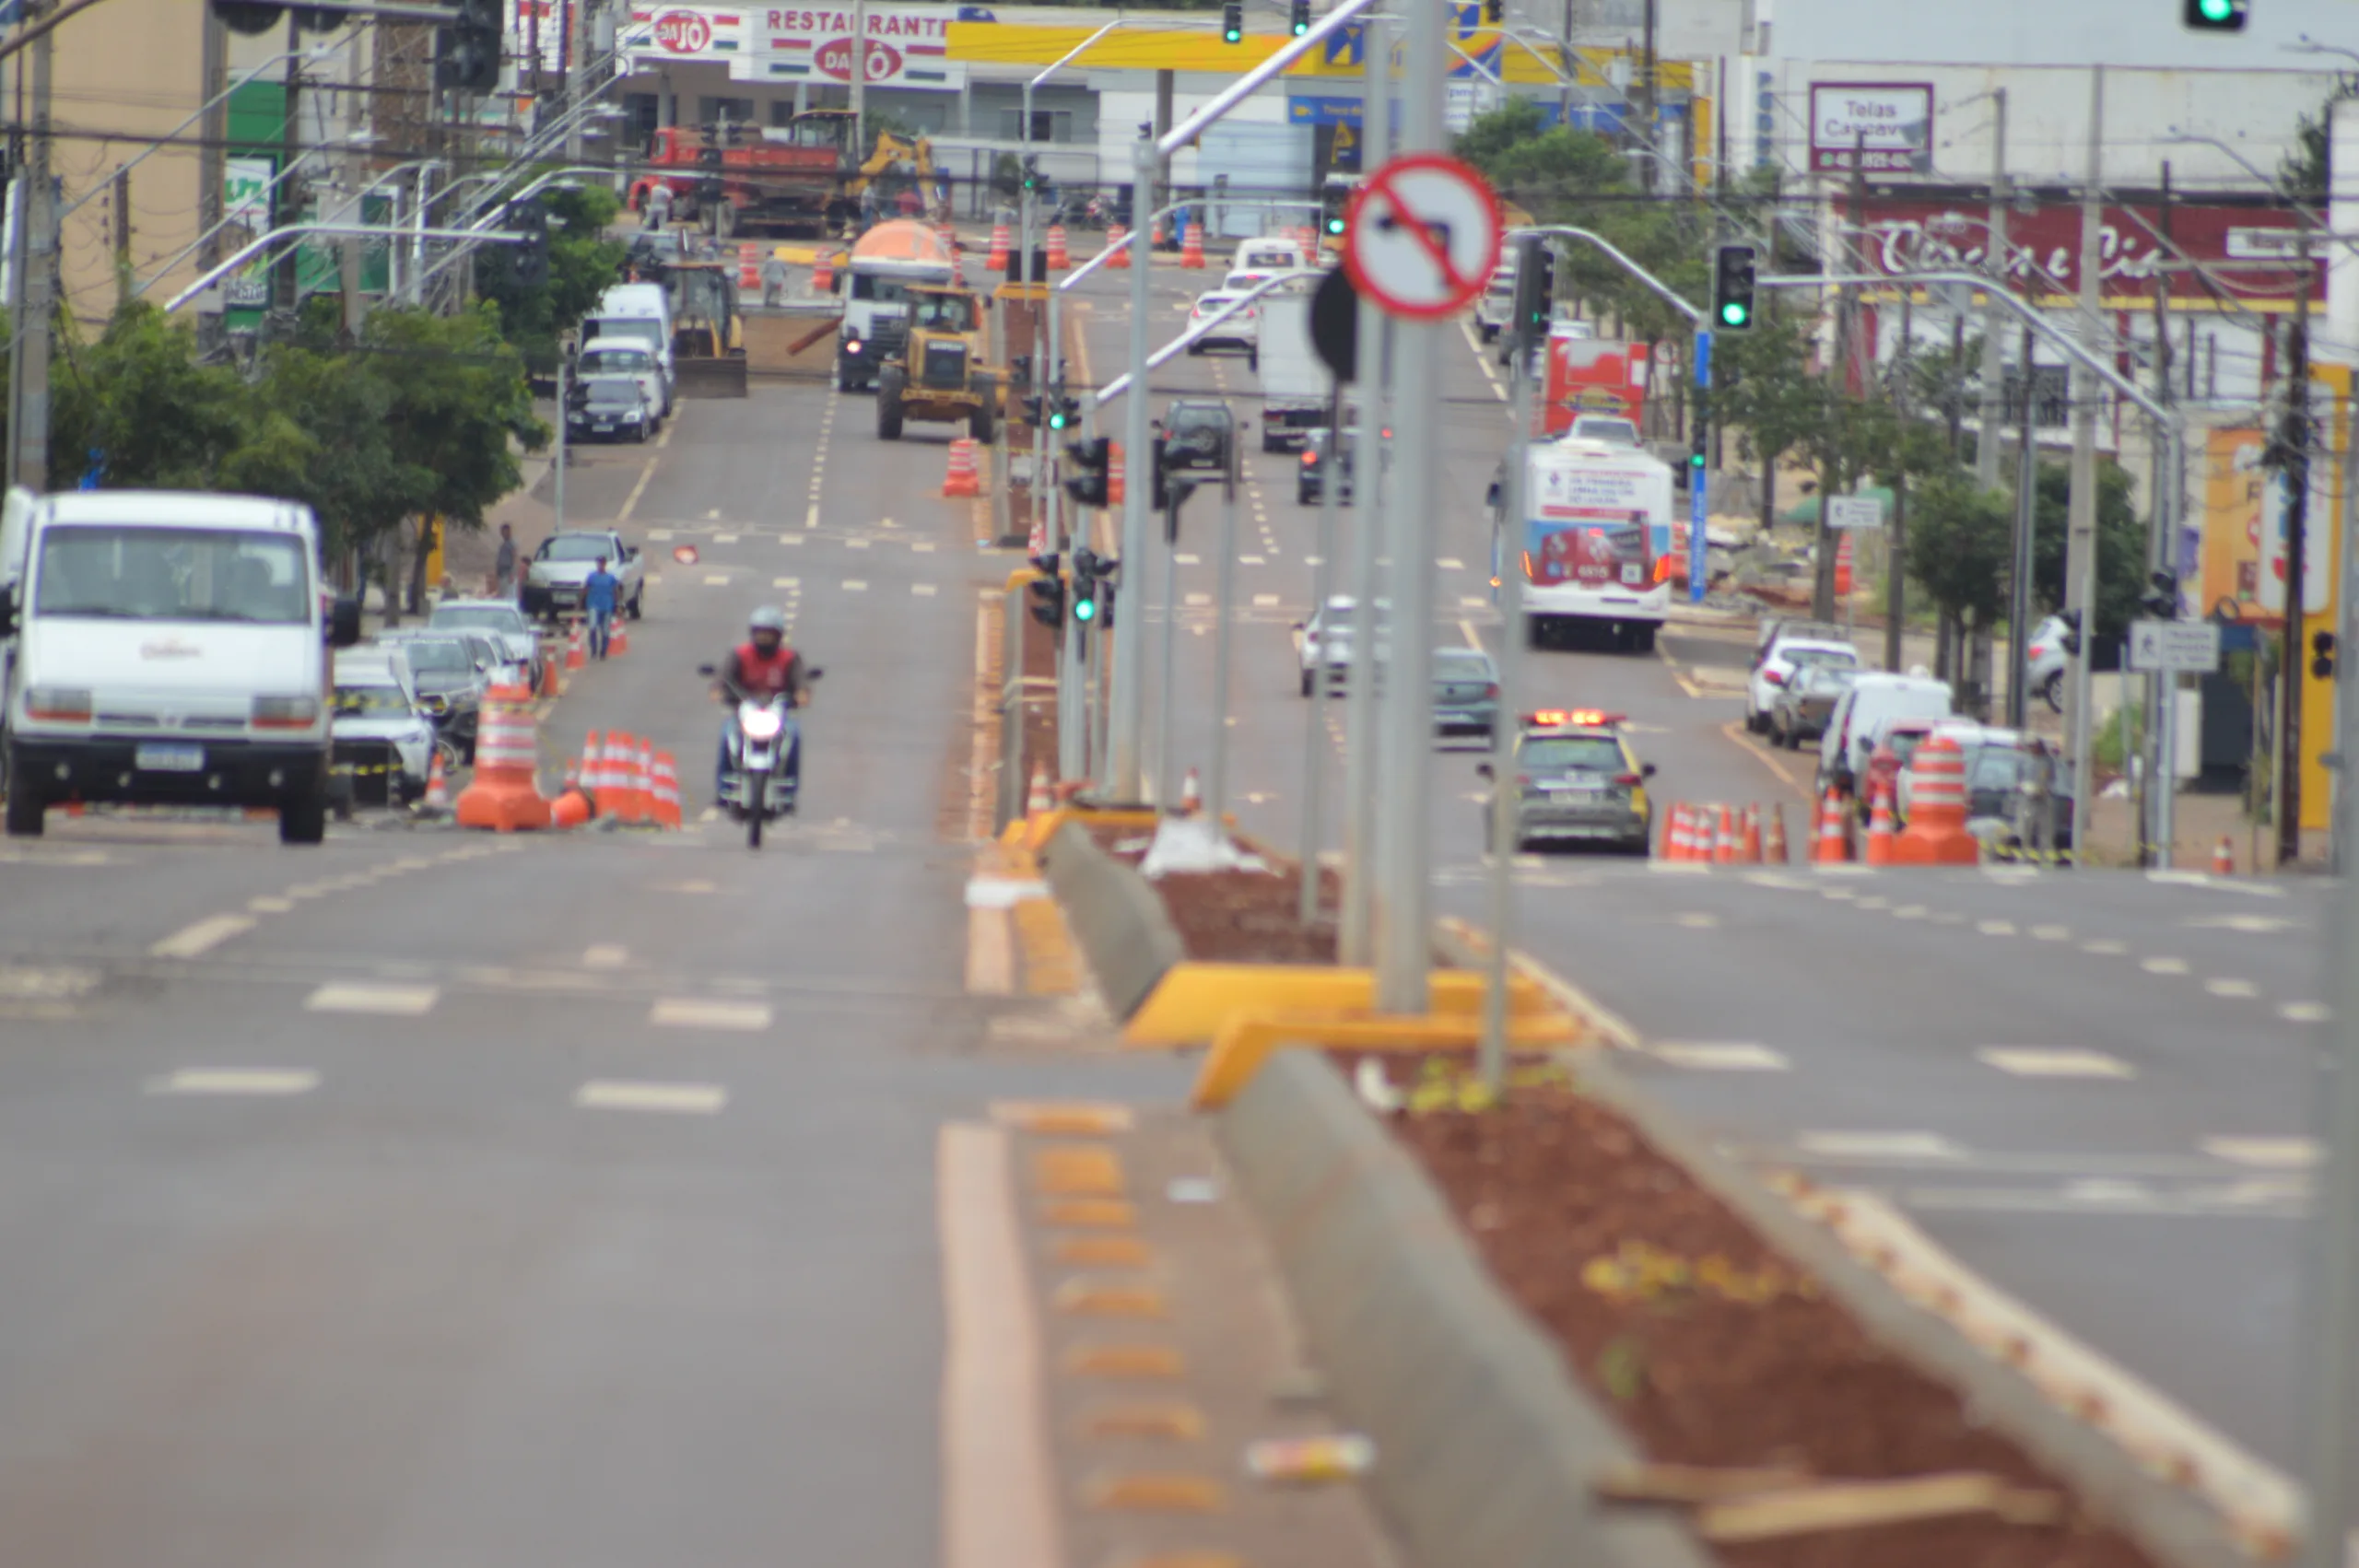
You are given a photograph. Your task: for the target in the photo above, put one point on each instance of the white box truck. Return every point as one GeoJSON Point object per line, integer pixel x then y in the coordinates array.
{"type": "Point", "coordinates": [1294, 378]}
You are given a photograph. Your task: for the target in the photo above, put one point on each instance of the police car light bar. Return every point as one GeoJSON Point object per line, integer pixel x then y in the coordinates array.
{"type": "Point", "coordinates": [1557, 718]}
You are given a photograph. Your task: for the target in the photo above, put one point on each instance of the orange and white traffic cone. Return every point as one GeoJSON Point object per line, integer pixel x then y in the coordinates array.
{"type": "Point", "coordinates": [2223, 857]}
{"type": "Point", "coordinates": [589, 775]}
{"type": "Point", "coordinates": [577, 655]}
{"type": "Point", "coordinates": [1749, 846]}
{"type": "Point", "coordinates": [997, 260]}
{"type": "Point", "coordinates": [667, 791]}
{"type": "Point", "coordinates": [618, 635]}
{"type": "Point", "coordinates": [1675, 832]}
{"type": "Point", "coordinates": [1775, 851]}
{"type": "Point", "coordinates": [823, 272]}
{"type": "Point", "coordinates": [1880, 833]}
{"type": "Point", "coordinates": [1834, 845]}
{"type": "Point", "coordinates": [749, 268]}
{"type": "Point", "coordinates": [1058, 257]}
{"type": "Point", "coordinates": [1191, 794]}
{"type": "Point", "coordinates": [964, 478]}
{"type": "Point", "coordinates": [437, 786]}
{"type": "Point", "coordinates": [1191, 248]}
{"type": "Point", "coordinates": [1724, 844]}
{"type": "Point", "coordinates": [571, 808]}
{"type": "Point", "coordinates": [552, 676]}
{"type": "Point", "coordinates": [1038, 801]}
{"type": "Point", "coordinates": [1117, 239]}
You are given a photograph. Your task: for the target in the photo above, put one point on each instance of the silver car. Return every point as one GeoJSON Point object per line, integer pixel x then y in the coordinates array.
{"type": "Point", "coordinates": [1802, 706]}
{"type": "Point", "coordinates": [503, 620]}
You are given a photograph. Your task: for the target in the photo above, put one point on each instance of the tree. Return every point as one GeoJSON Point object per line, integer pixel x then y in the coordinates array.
{"type": "Point", "coordinates": [2121, 547]}
{"type": "Point", "coordinates": [136, 406]}
{"type": "Point", "coordinates": [2303, 170]}
{"type": "Point", "coordinates": [327, 438]}
{"type": "Point", "coordinates": [583, 263]}
{"type": "Point", "coordinates": [1960, 547]}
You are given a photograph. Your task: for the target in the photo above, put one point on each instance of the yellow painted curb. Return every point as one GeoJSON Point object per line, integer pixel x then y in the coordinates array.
{"type": "Point", "coordinates": [1192, 1002]}
{"type": "Point", "coordinates": [1246, 1041]}
{"type": "Point", "coordinates": [1089, 1298]}
{"type": "Point", "coordinates": [1100, 1251]}
{"type": "Point", "coordinates": [1155, 1362]}
{"type": "Point", "coordinates": [1090, 1213]}
{"type": "Point", "coordinates": [1178, 1424]}
{"type": "Point", "coordinates": [1038, 829]}
{"type": "Point", "coordinates": [1153, 1492]}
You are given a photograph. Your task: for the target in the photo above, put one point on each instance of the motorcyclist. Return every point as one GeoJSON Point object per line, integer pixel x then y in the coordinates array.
{"type": "Point", "coordinates": [761, 666]}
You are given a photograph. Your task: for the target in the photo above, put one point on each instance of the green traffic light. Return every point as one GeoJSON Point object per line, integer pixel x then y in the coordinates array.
{"type": "Point", "coordinates": [1334, 225]}
{"type": "Point", "coordinates": [1735, 313]}
{"type": "Point", "coordinates": [1301, 27]}
{"type": "Point", "coordinates": [2217, 10]}
{"type": "Point", "coordinates": [1057, 420]}
{"type": "Point", "coordinates": [1230, 35]}
{"type": "Point", "coordinates": [1085, 609]}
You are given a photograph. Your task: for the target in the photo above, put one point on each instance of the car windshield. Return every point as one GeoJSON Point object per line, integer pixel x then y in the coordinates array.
{"type": "Point", "coordinates": [1212, 302]}
{"type": "Point", "coordinates": [1569, 754]}
{"type": "Point", "coordinates": [1825, 678]}
{"type": "Point", "coordinates": [623, 360]}
{"type": "Point", "coordinates": [1807, 659]}
{"type": "Point", "coordinates": [356, 700]}
{"type": "Point", "coordinates": [493, 617]}
{"type": "Point", "coordinates": [442, 657]}
{"type": "Point", "coordinates": [1995, 767]}
{"type": "Point", "coordinates": [576, 547]}
{"type": "Point", "coordinates": [131, 573]}
{"type": "Point", "coordinates": [883, 290]}
{"type": "Point", "coordinates": [944, 313]}
{"type": "Point", "coordinates": [610, 391]}
{"type": "Point", "coordinates": [645, 328]}
{"type": "Point", "coordinates": [1456, 664]}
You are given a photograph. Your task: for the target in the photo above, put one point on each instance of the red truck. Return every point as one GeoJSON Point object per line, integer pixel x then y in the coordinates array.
{"type": "Point", "coordinates": [801, 176]}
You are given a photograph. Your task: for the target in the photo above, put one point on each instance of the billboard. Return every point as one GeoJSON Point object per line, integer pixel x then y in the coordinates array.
{"type": "Point", "coordinates": [1887, 126]}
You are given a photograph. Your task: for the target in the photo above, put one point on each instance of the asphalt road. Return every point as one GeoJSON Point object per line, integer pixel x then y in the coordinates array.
{"type": "Point", "coordinates": [2096, 1088]}
{"type": "Point", "coordinates": [432, 1198]}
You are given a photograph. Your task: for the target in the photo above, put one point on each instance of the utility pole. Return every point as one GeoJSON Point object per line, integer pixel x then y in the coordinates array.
{"type": "Point", "coordinates": [1994, 370]}
{"type": "Point", "coordinates": [2080, 532]}
{"type": "Point", "coordinates": [1659, 178]}
{"type": "Point", "coordinates": [211, 159]}
{"type": "Point", "coordinates": [1130, 644]}
{"type": "Point", "coordinates": [859, 80]}
{"type": "Point", "coordinates": [1355, 923]}
{"type": "Point", "coordinates": [287, 284]}
{"type": "Point", "coordinates": [2293, 450]}
{"type": "Point", "coordinates": [2162, 689]}
{"type": "Point", "coordinates": [2019, 574]}
{"type": "Point", "coordinates": [1404, 934]}
{"type": "Point", "coordinates": [1897, 535]}
{"type": "Point", "coordinates": [30, 428]}
{"type": "Point", "coordinates": [1564, 58]}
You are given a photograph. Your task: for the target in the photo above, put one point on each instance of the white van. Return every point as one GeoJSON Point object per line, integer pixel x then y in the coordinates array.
{"type": "Point", "coordinates": [624, 356]}
{"type": "Point", "coordinates": [642, 311]}
{"type": "Point", "coordinates": [1259, 259]}
{"type": "Point", "coordinates": [1872, 699]}
{"type": "Point", "coordinates": [171, 650]}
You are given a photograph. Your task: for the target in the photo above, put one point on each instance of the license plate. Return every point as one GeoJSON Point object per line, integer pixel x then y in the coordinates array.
{"type": "Point", "coordinates": [169, 759]}
{"type": "Point", "coordinates": [604, 427]}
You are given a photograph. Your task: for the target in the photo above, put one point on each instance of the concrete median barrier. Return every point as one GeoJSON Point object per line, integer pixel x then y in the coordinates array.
{"type": "Point", "coordinates": [1116, 914]}
{"type": "Point", "coordinates": [1486, 1450]}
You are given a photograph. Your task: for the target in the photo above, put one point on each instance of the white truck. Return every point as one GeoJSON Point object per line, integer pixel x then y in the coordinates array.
{"type": "Point", "coordinates": [1295, 381]}
{"type": "Point", "coordinates": [170, 649]}
{"type": "Point", "coordinates": [886, 263]}
{"type": "Point", "coordinates": [555, 576]}
{"type": "Point", "coordinates": [1594, 541]}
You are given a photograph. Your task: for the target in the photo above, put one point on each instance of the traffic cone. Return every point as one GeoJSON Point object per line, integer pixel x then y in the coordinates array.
{"type": "Point", "coordinates": [1674, 832]}
{"type": "Point", "coordinates": [1834, 846]}
{"type": "Point", "coordinates": [997, 260]}
{"type": "Point", "coordinates": [749, 268]}
{"type": "Point", "coordinates": [2223, 857]}
{"type": "Point", "coordinates": [613, 787]}
{"type": "Point", "coordinates": [577, 657]}
{"type": "Point", "coordinates": [1880, 826]}
{"type": "Point", "coordinates": [618, 633]}
{"type": "Point", "coordinates": [1843, 565]}
{"type": "Point", "coordinates": [1749, 848]}
{"type": "Point", "coordinates": [646, 773]}
{"type": "Point", "coordinates": [638, 797]}
{"type": "Point", "coordinates": [1724, 844]}
{"type": "Point", "coordinates": [823, 272]}
{"type": "Point", "coordinates": [1039, 801]}
{"type": "Point", "coordinates": [1191, 248]}
{"type": "Point", "coordinates": [437, 786]}
{"type": "Point", "coordinates": [1774, 852]}
{"type": "Point", "coordinates": [963, 479]}
{"type": "Point", "coordinates": [504, 795]}
{"type": "Point", "coordinates": [1191, 794]}
{"type": "Point", "coordinates": [571, 808]}
{"type": "Point", "coordinates": [1117, 239]}
{"type": "Point", "coordinates": [552, 676]}
{"type": "Point", "coordinates": [1059, 258]}
{"type": "Point", "coordinates": [667, 791]}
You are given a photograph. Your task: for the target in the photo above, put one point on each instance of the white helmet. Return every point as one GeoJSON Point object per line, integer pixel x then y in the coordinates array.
{"type": "Point", "coordinates": [768, 618]}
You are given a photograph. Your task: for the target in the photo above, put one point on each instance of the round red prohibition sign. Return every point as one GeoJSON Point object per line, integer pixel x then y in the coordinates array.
{"type": "Point", "coordinates": [1422, 237]}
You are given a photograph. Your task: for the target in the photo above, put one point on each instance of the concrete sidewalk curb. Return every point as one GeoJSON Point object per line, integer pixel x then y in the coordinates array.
{"type": "Point", "coordinates": [1485, 1448]}
{"type": "Point", "coordinates": [1115, 914]}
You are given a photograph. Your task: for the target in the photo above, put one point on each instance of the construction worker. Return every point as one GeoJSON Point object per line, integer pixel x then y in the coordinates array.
{"type": "Point", "coordinates": [659, 205]}
{"type": "Point", "coordinates": [773, 279]}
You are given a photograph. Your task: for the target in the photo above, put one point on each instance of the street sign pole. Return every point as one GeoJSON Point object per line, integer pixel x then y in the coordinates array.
{"type": "Point", "coordinates": [1355, 933]}
{"type": "Point", "coordinates": [1698, 563]}
{"type": "Point", "coordinates": [1216, 794]}
{"type": "Point", "coordinates": [1166, 771]}
{"type": "Point", "coordinates": [1506, 798]}
{"type": "Point", "coordinates": [1130, 645]}
{"type": "Point", "coordinates": [1314, 716]}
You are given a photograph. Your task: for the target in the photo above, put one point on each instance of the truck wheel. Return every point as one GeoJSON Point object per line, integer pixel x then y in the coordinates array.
{"type": "Point", "coordinates": [303, 817]}
{"type": "Point", "coordinates": [889, 405]}
{"type": "Point", "coordinates": [25, 811]}
{"type": "Point", "coordinates": [986, 409]}
{"type": "Point", "coordinates": [724, 219]}
{"type": "Point", "coordinates": [637, 594]}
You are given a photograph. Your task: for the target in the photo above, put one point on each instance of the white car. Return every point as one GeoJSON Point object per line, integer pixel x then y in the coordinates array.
{"type": "Point", "coordinates": [1771, 671]}
{"type": "Point", "coordinates": [2045, 662]}
{"type": "Point", "coordinates": [380, 722]}
{"type": "Point", "coordinates": [1242, 330]}
{"type": "Point", "coordinates": [1323, 643]}
{"type": "Point", "coordinates": [1785, 661]}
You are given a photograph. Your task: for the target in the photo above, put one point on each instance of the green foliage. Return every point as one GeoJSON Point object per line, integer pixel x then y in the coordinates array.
{"type": "Point", "coordinates": [138, 397]}
{"type": "Point", "coordinates": [583, 263]}
{"type": "Point", "coordinates": [2303, 170]}
{"type": "Point", "coordinates": [2121, 544]}
{"type": "Point", "coordinates": [1959, 546]}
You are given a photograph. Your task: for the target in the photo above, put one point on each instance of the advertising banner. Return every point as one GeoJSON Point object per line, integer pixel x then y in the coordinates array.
{"type": "Point", "coordinates": [1889, 126]}
{"type": "Point", "coordinates": [1591, 375]}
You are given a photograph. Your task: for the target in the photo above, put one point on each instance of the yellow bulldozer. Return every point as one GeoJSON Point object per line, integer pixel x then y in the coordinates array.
{"type": "Point", "coordinates": [941, 370]}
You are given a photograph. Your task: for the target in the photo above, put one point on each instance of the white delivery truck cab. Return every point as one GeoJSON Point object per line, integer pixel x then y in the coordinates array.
{"type": "Point", "coordinates": [1593, 543]}
{"type": "Point", "coordinates": [1295, 381]}
{"type": "Point", "coordinates": [171, 650]}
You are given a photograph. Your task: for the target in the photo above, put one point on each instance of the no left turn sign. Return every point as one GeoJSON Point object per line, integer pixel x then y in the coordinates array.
{"type": "Point", "coordinates": [1422, 236]}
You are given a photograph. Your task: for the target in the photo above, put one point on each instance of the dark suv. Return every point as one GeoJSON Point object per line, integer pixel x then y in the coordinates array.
{"type": "Point", "coordinates": [1197, 435]}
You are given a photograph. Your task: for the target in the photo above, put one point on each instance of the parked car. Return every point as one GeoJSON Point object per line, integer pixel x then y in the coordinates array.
{"type": "Point", "coordinates": [1466, 692]}
{"type": "Point", "coordinates": [381, 735]}
{"type": "Point", "coordinates": [555, 576]}
{"type": "Point", "coordinates": [1875, 698]}
{"type": "Point", "coordinates": [2045, 662]}
{"type": "Point", "coordinates": [607, 409]}
{"type": "Point", "coordinates": [1807, 700]}
{"type": "Point", "coordinates": [1780, 650]}
{"type": "Point", "coordinates": [451, 672]}
{"type": "Point", "coordinates": [1611, 428]}
{"type": "Point", "coordinates": [1998, 763]}
{"type": "Point", "coordinates": [498, 618]}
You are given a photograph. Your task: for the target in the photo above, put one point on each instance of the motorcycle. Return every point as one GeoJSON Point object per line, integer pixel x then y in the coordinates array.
{"type": "Point", "coordinates": [765, 736]}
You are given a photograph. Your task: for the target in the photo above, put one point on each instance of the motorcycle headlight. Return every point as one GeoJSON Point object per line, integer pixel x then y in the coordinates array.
{"type": "Point", "coordinates": [759, 723]}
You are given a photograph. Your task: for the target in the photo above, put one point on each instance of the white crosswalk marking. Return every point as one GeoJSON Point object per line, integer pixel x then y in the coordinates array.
{"type": "Point", "coordinates": [1722, 1056]}
{"type": "Point", "coordinates": [372, 996]}
{"type": "Point", "coordinates": [235, 1080]}
{"type": "Point", "coordinates": [708, 1012]}
{"type": "Point", "coordinates": [922, 589]}
{"type": "Point", "coordinates": [2269, 1153]}
{"type": "Point", "coordinates": [630, 1094]}
{"type": "Point", "coordinates": [2032, 1061]}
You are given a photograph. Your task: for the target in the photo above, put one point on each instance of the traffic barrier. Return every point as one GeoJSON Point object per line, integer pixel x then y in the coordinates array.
{"type": "Point", "coordinates": [749, 268]}
{"type": "Point", "coordinates": [437, 785]}
{"type": "Point", "coordinates": [1936, 833]}
{"type": "Point", "coordinates": [1749, 849]}
{"type": "Point", "coordinates": [823, 272]}
{"type": "Point", "coordinates": [2223, 857]}
{"type": "Point", "coordinates": [1832, 847]}
{"type": "Point", "coordinates": [1058, 257]}
{"type": "Point", "coordinates": [1191, 794]}
{"type": "Point", "coordinates": [647, 781]}
{"type": "Point", "coordinates": [963, 479]}
{"type": "Point", "coordinates": [576, 656]}
{"type": "Point", "coordinates": [1117, 239]}
{"type": "Point", "coordinates": [1724, 842]}
{"type": "Point", "coordinates": [571, 808]}
{"type": "Point", "coordinates": [1191, 248]}
{"type": "Point", "coordinates": [997, 260]}
{"type": "Point", "coordinates": [667, 791]}
{"type": "Point", "coordinates": [1040, 799]}
{"type": "Point", "coordinates": [505, 794]}
{"type": "Point", "coordinates": [1774, 852]}
{"type": "Point", "coordinates": [1881, 832]}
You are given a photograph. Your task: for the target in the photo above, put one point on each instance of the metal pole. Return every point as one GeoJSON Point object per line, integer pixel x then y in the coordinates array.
{"type": "Point", "coordinates": [2081, 535]}
{"type": "Point", "coordinates": [859, 79]}
{"type": "Point", "coordinates": [2019, 577]}
{"type": "Point", "coordinates": [2162, 689]}
{"type": "Point", "coordinates": [1699, 566]}
{"type": "Point", "coordinates": [2296, 442]}
{"type": "Point", "coordinates": [288, 287]}
{"type": "Point", "coordinates": [1404, 936]}
{"type": "Point", "coordinates": [1986, 444]}
{"type": "Point", "coordinates": [557, 497]}
{"type": "Point", "coordinates": [30, 430]}
{"type": "Point", "coordinates": [1355, 934]}
{"type": "Point", "coordinates": [1506, 796]}
{"type": "Point", "coordinates": [1122, 723]}
{"type": "Point", "coordinates": [1314, 714]}
{"type": "Point", "coordinates": [1216, 795]}
{"type": "Point", "coordinates": [1166, 771]}
{"type": "Point", "coordinates": [1895, 538]}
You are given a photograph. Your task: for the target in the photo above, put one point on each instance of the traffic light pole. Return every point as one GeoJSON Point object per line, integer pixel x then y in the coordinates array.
{"type": "Point", "coordinates": [1354, 921]}
{"type": "Point", "coordinates": [1167, 788]}
{"type": "Point", "coordinates": [1216, 796]}
{"type": "Point", "coordinates": [1122, 724]}
{"type": "Point", "coordinates": [1506, 796]}
{"type": "Point", "coordinates": [38, 250]}
{"type": "Point", "coordinates": [1314, 718]}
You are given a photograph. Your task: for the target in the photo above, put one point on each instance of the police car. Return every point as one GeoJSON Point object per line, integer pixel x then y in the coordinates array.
{"type": "Point", "coordinates": [1579, 784]}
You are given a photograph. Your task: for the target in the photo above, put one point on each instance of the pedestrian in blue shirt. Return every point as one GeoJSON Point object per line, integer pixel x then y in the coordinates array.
{"type": "Point", "coordinates": [601, 591]}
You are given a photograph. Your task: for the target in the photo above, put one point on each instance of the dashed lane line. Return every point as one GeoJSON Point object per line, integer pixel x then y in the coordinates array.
{"type": "Point", "coordinates": [234, 1080]}
{"type": "Point", "coordinates": [707, 1012]}
{"type": "Point", "coordinates": [634, 1094]}
{"type": "Point", "coordinates": [2032, 1061]}
{"type": "Point", "coordinates": [201, 937]}
{"type": "Point", "coordinates": [370, 996]}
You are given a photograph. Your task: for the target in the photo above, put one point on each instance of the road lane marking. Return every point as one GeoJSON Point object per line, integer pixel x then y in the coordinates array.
{"type": "Point", "coordinates": [2164, 965]}
{"type": "Point", "coordinates": [368, 996]}
{"type": "Point", "coordinates": [922, 589]}
{"type": "Point", "coordinates": [605, 956]}
{"type": "Point", "coordinates": [856, 543]}
{"type": "Point", "coordinates": [713, 515]}
{"type": "Point", "coordinates": [1264, 600]}
{"type": "Point", "coordinates": [810, 520]}
{"type": "Point", "coordinates": [2036, 1061]}
{"type": "Point", "coordinates": [2256, 924]}
{"type": "Point", "coordinates": [234, 1080]}
{"type": "Point", "coordinates": [708, 1012]}
{"type": "Point", "coordinates": [1474, 638]}
{"type": "Point", "coordinates": [630, 502]}
{"type": "Point", "coordinates": [2223, 986]}
{"type": "Point", "coordinates": [2266, 1153]}
{"type": "Point", "coordinates": [2051, 933]}
{"type": "Point", "coordinates": [1450, 563]}
{"type": "Point", "coordinates": [269, 906]}
{"type": "Point", "coordinates": [922, 547]}
{"type": "Point", "coordinates": [724, 538]}
{"type": "Point", "coordinates": [1188, 560]}
{"type": "Point", "coordinates": [1251, 561]}
{"type": "Point", "coordinates": [1880, 1146]}
{"type": "Point", "coordinates": [1472, 601]}
{"type": "Point", "coordinates": [2305, 1012]}
{"type": "Point", "coordinates": [633, 1094]}
{"type": "Point", "coordinates": [716, 580]}
{"type": "Point", "coordinates": [1200, 599]}
{"type": "Point", "coordinates": [658, 535]}
{"type": "Point", "coordinates": [2105, 947]}
{"type": "Point", "coordinates": [855, 585]}
{"type": "Point", "coordinates": [786, 583]}
{"type": "Point", "coordinates": [1995, 927]}
{"type": "Point", "coordinates": [1722, 1056]}
{"type": "Point", "coordinates": [201, 937]}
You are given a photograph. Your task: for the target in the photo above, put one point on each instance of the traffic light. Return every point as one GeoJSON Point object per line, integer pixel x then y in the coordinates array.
{"type": "Point", "coordinates": [1085, 586]}
{"type": "Point", "coordinates": [1061, 408]}
{"type": "Point", "coordinates": [1495, 11]}
{"type": "Point", "coordinates": [2071, 620]}
{"type": "Point", "coordinates": [1232, 21]}
{"type": "Point", "coordinates": [1331, 203]}
{"type": "Point", "coordinates": [2216, 15]}
{"type": "Point", "coordinates": [2321, 656]}
{"type": "Point", "coordinates": [254, 17]}
{"type": "Point", "coordinates": [1535, 289]}
{"type": "Point", "coordinates": [2161, 598]}
{"type": "Point", "coordinates": [1030, 404]}
{"type": "Point", "coordinates": [1298, 16]}
{"type": "Point", "coordinates": [1049, 593]}
{"type": "Point", "coordinates": [1732, 287]}
{"type": "Point", "coordinates": [466, 53]}
{"type": "Point", "coordinates": [1697, 451]}
{"type": "Point", "coordinates": [1091, 463]}
{"type": "Point", "coordinates": [1031, 173]}
{"type": "Point", "coordinates": [528, 264]}
{"type": "Point", "coordinates": [1159, 496]}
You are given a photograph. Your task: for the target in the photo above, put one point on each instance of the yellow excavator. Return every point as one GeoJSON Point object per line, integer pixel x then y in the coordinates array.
{"type": "Point", "coordinates": [895, 155]}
